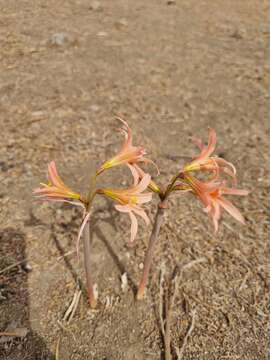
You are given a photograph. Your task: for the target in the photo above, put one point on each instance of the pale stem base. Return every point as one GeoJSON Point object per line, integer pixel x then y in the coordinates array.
{"type": "Point", "coordinates": [150, 250]}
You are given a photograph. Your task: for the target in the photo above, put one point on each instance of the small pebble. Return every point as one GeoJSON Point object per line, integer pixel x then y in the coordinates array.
{"type": "Point", "coordinates": [27, 267]}
{"type": "Point", "coordinates": [124, 282]}
{"type": "Point", "coordinates": [102, 33]}
{"type": "Point", "coordinates": [62, 39]}
{"type": "Point", "coordinates": [95, 5]}
{"type": "Point", "coordinates": [94, 108]}
{"type": "Point", "coordinates": [121, 23]}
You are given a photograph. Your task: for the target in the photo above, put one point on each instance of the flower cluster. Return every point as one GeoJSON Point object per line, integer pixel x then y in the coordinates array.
{"type": "Point", "coordinates": [211, 192]}
{"type": "Point", "coordinates": [128, 200]}
{"type": "Point", "coordinates": [208, 177]}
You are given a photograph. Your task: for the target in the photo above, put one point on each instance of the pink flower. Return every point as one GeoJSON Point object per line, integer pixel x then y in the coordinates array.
{"type": "Point", "coordinates": [56, 188]}
{"type": "Point", "coordinates": [129, 154]}
{"type": "Point", "coordinates": [211, 195]}
{"type": "Point", "coordinates": [138, 173]}
{"type": "Point", "coordinates": [205, 162]}
{"type": "Point", "coordinates": [130, 201]}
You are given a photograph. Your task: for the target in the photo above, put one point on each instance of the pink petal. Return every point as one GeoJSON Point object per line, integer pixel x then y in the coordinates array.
{"type": "Point", "coordinates": [231, 209]}
{"type": "Point", "coordinates": [76, 203]}
{"type": "Point", "coordinates": [232, 191]}
{"type": "Point", "coordinates": [133, 227]}
{"type": "Point", "coordinates": [198, 142]}
{"type": "Point", "coordinates": [134, 173]}
{"type": "Point", "coordinates": [134, 223]}
{"type": "Point", "coordinates": [149, 161]}
{"type": "Point", "coordinates": [53, 175]}
{"type": "Point", "coordinates": [225, 163]}
{"type": "Point", "coordinates": [209, 149]}
{"type": "Point", "coordinates": [215, 221]}
{"type": "Point", "coordinates": [85, 220]}
{"type": "Point", "coordinates": [127, 131]}
{"type": "Point", "coordinates": [216, 210]}
{"type": "Point", "coordinates": [123, 208]}
{"type": "Point", "coordinates": [143, 184]}
{"type": "Point", "coordinates": [142, 214]}
{"type": "Point", "coordinates": [144, 198]}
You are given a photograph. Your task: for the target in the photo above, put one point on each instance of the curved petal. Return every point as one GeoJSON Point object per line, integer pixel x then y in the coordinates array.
{"type": "Point", "coordinates": [144, 198]}
{"type": "Point", "coordinates": [143, 184]}
{"type": "Point", "coordinates": [53, 175]}
{"type": "Point", "coordinates": [209, 149]}
{"type": "Point", "coordinates": [149, 161]}
{"type": "Point", "coordinates": [233, 191]}
{"type": "Point", "coordinates": [76, 203]}
{"type": "Point", "coordinates": [128, 135]}
{"type": "Point", "coordinates": [123, 208]}
{"type": "Point", "coordinates": [225, 163]}
{"type": "Point", "coordinates": [216, 210]}
{"type": "Point", "coordinates": [142, 214]}
{"type": "Point", "coordinates": [231, 209]}
{"type": "Point", "coordinates": [134, 173]}
{"type": "Point", "coordinates": [133, 227]}
{"type": "Point", "coordinates": [215, 221]}
{"type": "Point", "coordinates": [198, 142]}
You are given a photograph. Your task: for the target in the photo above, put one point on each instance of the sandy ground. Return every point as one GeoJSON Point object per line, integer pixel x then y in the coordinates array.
{"type": "Point", "coordinates": [171, 69]}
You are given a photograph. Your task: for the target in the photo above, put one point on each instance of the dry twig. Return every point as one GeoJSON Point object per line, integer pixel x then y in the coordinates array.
{"type": "Point", "coordinates": [180, 352]}
{"type": "Point", "coordinates": [69, 314]}
{"type": "Point", "coordinates": [166, 302]}
{"type": "Point", "coordinates": [57, 350]}
{"type": "Point", "coordinates": [12, 266]}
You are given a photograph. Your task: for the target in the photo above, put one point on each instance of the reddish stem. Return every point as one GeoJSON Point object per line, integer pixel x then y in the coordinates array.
{"type": "Point", "coordinates": [87, 265]}
{"type": "Point", "coordinates": [150, 250]}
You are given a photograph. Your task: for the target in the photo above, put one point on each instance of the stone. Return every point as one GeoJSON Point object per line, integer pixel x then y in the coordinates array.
{"type": "Point", "coordinates": [62, 39]}
{"type": "Point", "coordinates": [95, 6]}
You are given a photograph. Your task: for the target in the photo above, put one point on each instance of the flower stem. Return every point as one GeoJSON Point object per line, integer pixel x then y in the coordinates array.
{"type": "Point", "coordinates": [87, 265]}
{"type": "Point", "coordinates": [150, 250]}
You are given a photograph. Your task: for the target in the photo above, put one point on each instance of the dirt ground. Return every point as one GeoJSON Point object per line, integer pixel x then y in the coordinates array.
{"type": "Point", "coordinates": [171, 69]}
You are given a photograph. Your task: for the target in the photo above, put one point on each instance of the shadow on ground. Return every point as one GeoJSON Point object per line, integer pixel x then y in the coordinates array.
{"type": "Point", "coordinates": [14, 301]}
